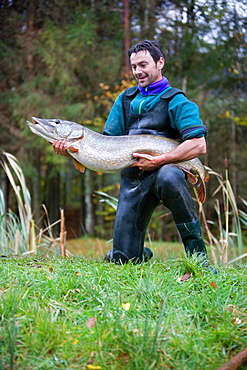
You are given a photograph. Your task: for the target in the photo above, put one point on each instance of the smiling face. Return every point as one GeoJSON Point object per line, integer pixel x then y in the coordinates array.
{"type": "Point", "coordinates": [144, 68]}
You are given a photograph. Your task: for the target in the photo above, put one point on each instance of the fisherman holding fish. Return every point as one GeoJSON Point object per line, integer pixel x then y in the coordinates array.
{"type": "Point", "coordinates": [154, 108]}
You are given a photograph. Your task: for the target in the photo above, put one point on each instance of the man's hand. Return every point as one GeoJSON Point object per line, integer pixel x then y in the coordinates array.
{"type": "Point", "coordinates": [146, 162]}
{"type": "Point", "coordinates": [187, 150]}
{"type": "Point", "coordinates": [60, 147]}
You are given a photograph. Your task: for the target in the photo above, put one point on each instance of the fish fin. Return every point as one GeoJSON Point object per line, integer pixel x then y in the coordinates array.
{"type": "Point", "coordinates": [72, 149]}
{"type": "Point", "coordinates": [201, 191]}
{"type": "Point", "coordinates": [191, 177]}
{"type": "Point", "coordinates": [207, 176]}
{"type": "Point", "coordinates": [201, 188]}
{"type": "Point", "coordinates": [79, 166]}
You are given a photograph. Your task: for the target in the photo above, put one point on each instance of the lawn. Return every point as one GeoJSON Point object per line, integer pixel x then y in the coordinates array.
{"type": "Point", "coordinates": [84, 313]}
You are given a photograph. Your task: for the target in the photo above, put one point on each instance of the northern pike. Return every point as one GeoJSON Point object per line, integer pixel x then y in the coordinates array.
{"type": "Point", "coordinates": [109, 154]}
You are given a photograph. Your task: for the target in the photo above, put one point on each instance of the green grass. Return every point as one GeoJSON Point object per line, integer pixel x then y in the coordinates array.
{"type": "Point", "coordinates": [75, 313]}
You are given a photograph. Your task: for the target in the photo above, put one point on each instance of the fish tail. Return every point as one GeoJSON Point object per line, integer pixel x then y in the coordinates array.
{"type": "Point", "coordinates": [201, 191]}
{"type": "Point", "coordinates": [191, 177]}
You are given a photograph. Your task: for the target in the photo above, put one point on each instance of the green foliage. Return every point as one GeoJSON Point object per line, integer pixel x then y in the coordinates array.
{"type": "Point", "coordinates": [12, 237]}
{"type": "Point", "coordinates": [108, 199]}
{"type": "Point", "coordinates": [17, 180]}
{"type": "Point", "coordinates": [225, 237]}
{"type": "Point", "coordinates": [63, 52]}
{"type": "Point", "coordinates": [243, 214]}
{"type": "Point", "coordinates": [74, 314]}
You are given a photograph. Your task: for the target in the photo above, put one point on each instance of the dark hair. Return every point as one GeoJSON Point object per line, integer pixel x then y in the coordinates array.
{"type": "Point", "coordinates": [153, 47]}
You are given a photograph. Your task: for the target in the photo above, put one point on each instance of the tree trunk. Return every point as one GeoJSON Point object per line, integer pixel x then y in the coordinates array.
{"type": "Point", "coordinates": [126, 38]}
{"type": "Point", "coordinates": [233, 158]}
{"type": "Point", "coordinates": [30, 38]}
{"type": "Point", "coordinates": [89, 209]}
{"type": "Point", "coordinates": [36, 197]}
{"type": "Point", "coordinates": [184, 84]}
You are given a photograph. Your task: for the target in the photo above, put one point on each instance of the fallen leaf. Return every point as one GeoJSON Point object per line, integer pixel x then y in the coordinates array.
{"type": "Point", "coordinates": [91, 322]}
{"type": "Point", "coordinates": [126, 306]}
{"type": "Point", "coordinates": [231, 308]}
{"type": "Point", "coordinates": [213, 285]}
{"type": "Point", "coordinates": [123, 357]}
{"type": "Point", "coordinates": [236, 321]}
{"type": "Point", "coordinates": [93, 367]}
{"type": "Point", "coordinates": [91, 359]}
{"type": "Point", "coordinates": [185, 277]}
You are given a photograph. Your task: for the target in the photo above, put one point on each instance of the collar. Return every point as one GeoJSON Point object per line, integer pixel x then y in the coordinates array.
{"type": "Point", "coordinates": [155, 88]}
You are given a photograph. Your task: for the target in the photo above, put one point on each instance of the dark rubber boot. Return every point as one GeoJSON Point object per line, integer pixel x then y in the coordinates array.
{"type": "Point", "coordinates": [192, 240]}
{"type": "Point", "coordinates": [193, 243]}
{"type": "Point", "coordinates": [147, 254]}
{"type": "Point", "coordinates": [121, 258]}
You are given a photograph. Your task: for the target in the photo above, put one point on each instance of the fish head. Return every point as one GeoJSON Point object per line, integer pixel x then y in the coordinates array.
{"type": "Point", "coordinates": [56, 129]}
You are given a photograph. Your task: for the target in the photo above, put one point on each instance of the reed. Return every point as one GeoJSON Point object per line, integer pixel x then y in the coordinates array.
{"type": "Point", "coordinates": [17, 180]}
{"type": "Point", "coordinates": [224, 235]}
{"type": "Point", "coordinates": [18, 232]}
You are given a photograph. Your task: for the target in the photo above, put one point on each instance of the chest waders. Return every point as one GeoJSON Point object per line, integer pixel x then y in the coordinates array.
{"type": "Point", "coordinates": [142, 191]}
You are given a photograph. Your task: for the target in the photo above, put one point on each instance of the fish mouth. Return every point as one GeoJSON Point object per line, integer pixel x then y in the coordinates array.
{"type": "Point", "coordinates": [35, 120]}
{"type": "Point", "coordinates": [43, 128]}
{"type": "Point", "coordinates": [56, 129]}
{"type": "Point", "coordinates": [46, 122]}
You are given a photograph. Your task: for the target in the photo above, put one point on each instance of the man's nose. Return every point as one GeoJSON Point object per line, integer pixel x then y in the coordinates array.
{"type": "Point", "coordinates": [138, 70]}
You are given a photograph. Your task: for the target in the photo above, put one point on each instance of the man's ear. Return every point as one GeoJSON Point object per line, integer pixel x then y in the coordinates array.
{"type": "Point", "coordinates": [160, 63]}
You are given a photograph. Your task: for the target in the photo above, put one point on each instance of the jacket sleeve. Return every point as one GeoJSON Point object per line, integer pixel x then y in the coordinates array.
{"type": "Point", "coordinates": [185, 117]}
{"type": "Point", "coordinates": [114, 125]}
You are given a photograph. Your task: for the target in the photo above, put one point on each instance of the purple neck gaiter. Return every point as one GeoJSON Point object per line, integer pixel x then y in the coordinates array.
{"type": "Point", "coordinates": [155, 88]}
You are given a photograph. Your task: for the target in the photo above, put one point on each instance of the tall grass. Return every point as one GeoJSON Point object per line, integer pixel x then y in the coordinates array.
{"type": "Point", "coordinates": [77, 314]}
{"type": "Point", "coordinates": [11, 236]}
{"type": "Point", "coordinates": [18, 183]}
{"type": "Point", "coordinates": [225, 234]}
{"type": "Point", "coordinates": [18, 232]}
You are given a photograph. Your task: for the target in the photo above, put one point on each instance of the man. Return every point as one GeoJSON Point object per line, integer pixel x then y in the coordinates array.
{"type": "Point", "coordinates": [155, 108]}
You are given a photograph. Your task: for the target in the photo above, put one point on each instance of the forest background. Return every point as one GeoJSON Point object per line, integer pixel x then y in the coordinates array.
{"type": "Point", "coordinates": [67, 60]}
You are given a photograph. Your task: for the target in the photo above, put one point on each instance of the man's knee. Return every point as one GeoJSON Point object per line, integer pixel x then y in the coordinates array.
{"type": "Point", "coordinates": [170, 182]}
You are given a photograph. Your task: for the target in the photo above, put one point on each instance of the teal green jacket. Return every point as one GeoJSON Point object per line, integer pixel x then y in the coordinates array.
{"type": "Point", "coordinates": [184, 115]}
